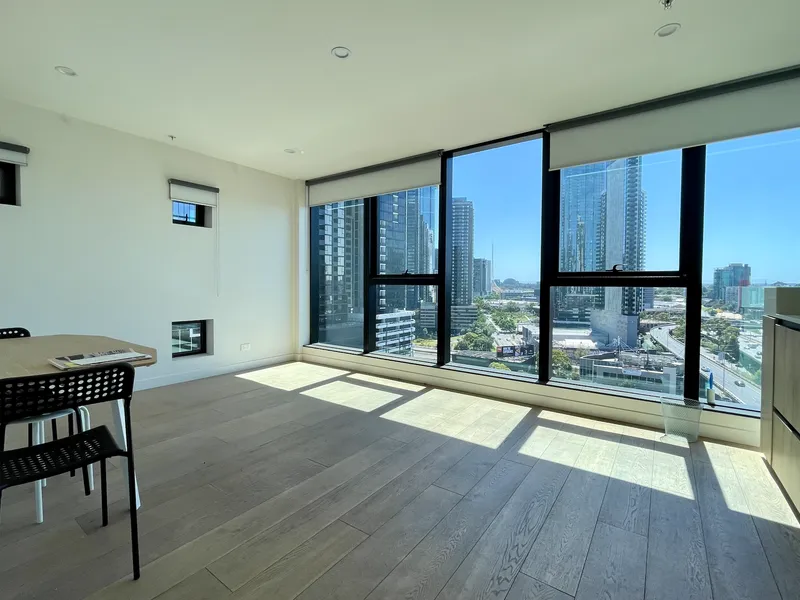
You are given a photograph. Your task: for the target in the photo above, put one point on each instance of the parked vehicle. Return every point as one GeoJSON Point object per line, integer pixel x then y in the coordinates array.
{"type": "Point", "coordinates": [739, 382]}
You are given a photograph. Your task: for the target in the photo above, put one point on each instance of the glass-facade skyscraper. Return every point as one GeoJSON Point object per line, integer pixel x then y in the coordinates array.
{"type": "Point", "coordinates": [462, 245]}
{"type": "Point", "coordinates": [339, 231]}
{"type": "Point", "coordinates": [603, 216]}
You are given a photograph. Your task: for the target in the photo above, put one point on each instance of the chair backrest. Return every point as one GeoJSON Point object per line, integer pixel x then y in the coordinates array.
{"type": "Point", "coordinates": [22, 397]}
{"type": "Point", "coordinates": [13, 332]}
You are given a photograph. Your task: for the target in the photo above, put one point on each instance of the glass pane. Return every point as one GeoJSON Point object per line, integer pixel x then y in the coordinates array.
{"type": "Point", "coordinates": [408, 235]}
{"type": "Point", "coordinates": [187, 337]}
{"type": "Point", "coordinates": [752, 207]}
{"type": "Point", "coordinates": [406, 321]}
{"type": "Point", "coordinates": [496, 243]}
{"type": "Point", "coordinates": [611, 346]}
{"type": "Point", "coordinates": [184, 212]}
{"type": "Point", "coordinates": [338, 240]}
{"type": "Point", "coordinates": [621, 212]}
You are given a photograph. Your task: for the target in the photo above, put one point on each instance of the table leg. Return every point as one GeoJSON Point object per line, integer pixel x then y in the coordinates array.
{"type": "Point", "coordinates": [118, 416]}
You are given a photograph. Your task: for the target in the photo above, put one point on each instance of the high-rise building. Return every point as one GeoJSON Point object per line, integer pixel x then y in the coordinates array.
{"type": "Point", "coordinates": [581, 191]}
{"type": "Point", "coordinates": [462, 242]}
{"type": "Point", "coordinates": [339, 231]}
{"type": "Point", "coordinates": [734, 275]}
{"type": "Point", "coordinates": [406, 226]}
{"type": "Point", "coordinates": [482, 276]}
{"type": "Point", "coordinates": [621, 232]}
{"type": "Point", "coordinates": [581, 188]}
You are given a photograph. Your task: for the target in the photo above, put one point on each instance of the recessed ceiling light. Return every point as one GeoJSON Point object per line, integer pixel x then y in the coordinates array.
{"type": "Point", "coordinates": [66, 71]}
{"type": "Point", "coordinates": [293, 151]}
{"type": "Point", "coordinates": [667, 30]}
{"type": "Point", "coordinates": [341, 52]}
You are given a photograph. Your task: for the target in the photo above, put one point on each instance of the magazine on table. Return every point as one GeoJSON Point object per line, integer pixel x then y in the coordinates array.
{"type": "Point", "coordinates": [76, 361]}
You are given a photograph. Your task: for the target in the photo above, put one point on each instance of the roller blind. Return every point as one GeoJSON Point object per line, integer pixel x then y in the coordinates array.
{"type": "Point", "coordinates": [194, 193]}
{"type": "Point", "coordinates": [740, 113]}
{"type": "Point", "coordinates": [374, 182]}
{"type": "Point", "coordinates": [14, 154]}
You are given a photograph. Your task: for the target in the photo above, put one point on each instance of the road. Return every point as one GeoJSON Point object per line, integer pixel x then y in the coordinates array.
{"type": "Point", "coordinates": [749, 394]}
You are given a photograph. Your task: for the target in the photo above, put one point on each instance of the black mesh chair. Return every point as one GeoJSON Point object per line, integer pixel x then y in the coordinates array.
{"type": "Point", "coordinates": [25, 397]}
{"type": "Point", "coordinates": [7, 333]}
{"type": "Point", "coordinates": [13, 332]}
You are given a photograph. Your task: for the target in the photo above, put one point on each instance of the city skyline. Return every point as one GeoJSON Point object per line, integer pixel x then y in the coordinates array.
{"type": "Point", "coordinates": [739, 202]}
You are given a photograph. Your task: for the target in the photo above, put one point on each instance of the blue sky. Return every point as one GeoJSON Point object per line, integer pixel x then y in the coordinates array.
{"type": "Point", "coordinates": [752, 206]}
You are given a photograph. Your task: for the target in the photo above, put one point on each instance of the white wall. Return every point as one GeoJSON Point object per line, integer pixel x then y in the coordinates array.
{"type": "Point", "coordinates": [93, 249]}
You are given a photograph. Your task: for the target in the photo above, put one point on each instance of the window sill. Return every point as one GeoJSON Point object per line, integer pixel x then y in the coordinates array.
{"type": "Point", "coordinates": [716, 423]}
{"type": "Point", "coordinates": [652, 398]}
{"type": "Point", "coordinates": [192, 355]}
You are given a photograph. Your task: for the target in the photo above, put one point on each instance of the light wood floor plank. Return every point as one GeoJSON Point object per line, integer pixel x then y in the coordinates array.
{"type": "Point", "coordinates": [526, 588]}
{"type": "Point", "coordinates": [294, 572]}
{"type": "Point", "coordinates": [172, 568]}
{"type": "Point", "coordinates": [557, 558]}
{"type": "Point", "coordinates": [491, 566]}
{"type": "Point", "coordinates": [615, 566]}
{"type": "Point", "coordinates": [381, 506]}
{"type": "Point", "coordinates": [364, 568]}
{"type": "Point", "coordinates": [463, 476]}
{"type": "Point", "coordinates": [627, 501]}
{"type": "Point", "coordinates": [775, 521]}
{"type": "Point", "coordinates": [425, 571]}
{"type": "Point", "coordinates": [736, 559]}
{"type": "Point", "coordinates": [200, 586]}
{"type": "Point", "coordinates": [246, 561]}
{"type": "Point", "coordinates": [676, 529]}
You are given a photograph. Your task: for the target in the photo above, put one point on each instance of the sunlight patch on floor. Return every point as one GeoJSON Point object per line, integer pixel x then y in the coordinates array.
{"type": "Point", "coordinates": [292, 376]}
{"type": "Point", "coordinates": [400, 385]}
{"type": "Point", "coordinates": [458, 416]}
{"type": "Point", "coordinates": [351, 395]}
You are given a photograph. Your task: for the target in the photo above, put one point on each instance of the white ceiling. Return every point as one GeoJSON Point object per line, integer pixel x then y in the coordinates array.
{"type": "Point", "coordinates": [242, 80]}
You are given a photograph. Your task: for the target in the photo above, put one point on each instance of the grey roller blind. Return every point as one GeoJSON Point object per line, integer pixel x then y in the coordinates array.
{"type": "Point", "coordinates": [194, 193]}
{"type": "Point", "coordinates": [382, 181]}
{"type": "Point", "coordinates": [751, 111]}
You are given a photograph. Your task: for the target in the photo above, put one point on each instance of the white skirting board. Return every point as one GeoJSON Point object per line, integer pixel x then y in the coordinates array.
{"type": "Point", "coordinates": [713, 425]}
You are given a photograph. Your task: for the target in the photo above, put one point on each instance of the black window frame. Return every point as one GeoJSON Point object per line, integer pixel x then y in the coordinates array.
{"type": "Point", "coordinates": [687, 276]}
{"type": "Point", "coordinates": [200, 214]}
{"type": "Point", "coordinates": [9, 184]}
{"type": "Point", "coordinates": [203, 349]}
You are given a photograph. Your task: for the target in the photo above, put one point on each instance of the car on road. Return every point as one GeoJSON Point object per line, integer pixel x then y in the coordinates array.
{"type": "Point", "coordinates": [705, 369]}
{"type": "Point", "coordinates": [739, 382]}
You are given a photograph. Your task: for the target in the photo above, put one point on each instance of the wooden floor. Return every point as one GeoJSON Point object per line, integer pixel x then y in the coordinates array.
{"type": "Point", "coordinates": [300, 481]}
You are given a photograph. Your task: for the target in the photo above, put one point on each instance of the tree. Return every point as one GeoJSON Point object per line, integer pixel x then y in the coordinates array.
{"type": "Point", "coordinates": [500, 366]}
{"type": "Point", "coordinates": [562, 366]}
{"type": "Point", "coordinates": [473, 341]}
{"type": "Point", "coordinates": [505, 322]}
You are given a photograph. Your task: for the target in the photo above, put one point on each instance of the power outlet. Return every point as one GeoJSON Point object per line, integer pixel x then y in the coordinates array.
{"type": "Point", "coordinates": [245, 347]}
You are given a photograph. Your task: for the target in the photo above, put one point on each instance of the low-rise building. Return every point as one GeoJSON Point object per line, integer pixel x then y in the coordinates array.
{"type": "Point", "coordinates": [395, 332]}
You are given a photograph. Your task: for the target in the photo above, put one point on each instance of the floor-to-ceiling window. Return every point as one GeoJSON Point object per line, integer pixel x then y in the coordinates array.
{"type": "Point", "coordinates": [495, 247]}
{"type": "Point", "coordinates": [619, 218]}
{"type": "Point", "coordinates": [750, 242]}
{"type": "Point", "coordinates": [337, 272]}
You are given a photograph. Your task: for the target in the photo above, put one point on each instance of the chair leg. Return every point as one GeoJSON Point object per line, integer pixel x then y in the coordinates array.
{"type": "Point", "coordinates": [71, 431]}
{"type": "Point", "coordinates": [104, 491]}
{"type": "Point", "coordinates": [134, 516]}
{"type": "Point", "coordinates": [30, 435]}
{"type": "Point", "coordinates": [37, 485]}
{"type": "Point", "coordinates": [86, 421]}
{"type": "Point", "coordinates": [42, 440]}
{"type": "Point", "coordinates": [55, 429]}
{"type": "Point", "coordinates": [2, 449]}
{"type": "Point", "coordinates": [84, 469]}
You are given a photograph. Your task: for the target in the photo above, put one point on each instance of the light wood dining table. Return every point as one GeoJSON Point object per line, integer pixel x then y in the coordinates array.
{"type": "Point", "coordinates": [20, 357]}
